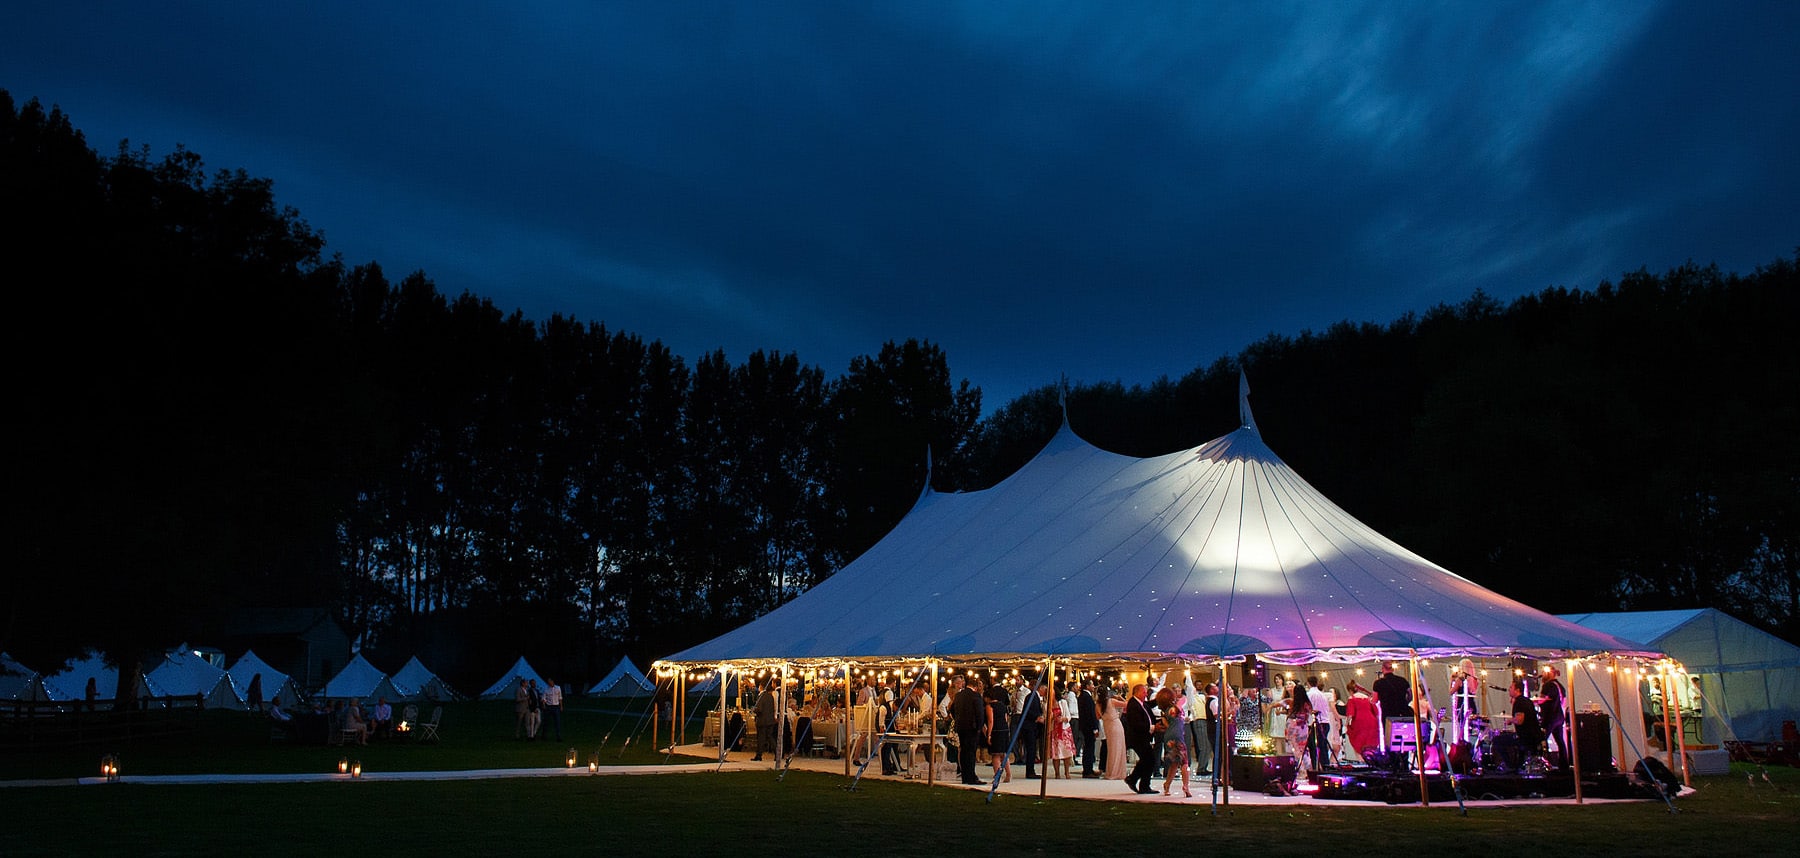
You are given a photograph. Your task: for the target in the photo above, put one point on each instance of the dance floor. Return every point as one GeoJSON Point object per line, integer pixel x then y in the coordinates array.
{"type": "Point", "coordinates": [1108, 790]}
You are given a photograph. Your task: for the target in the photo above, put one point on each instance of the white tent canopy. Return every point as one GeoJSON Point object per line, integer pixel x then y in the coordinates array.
{"type": "Point", "coordinates": [185, 673]}
{"type": "Point", "coordinates": [507, 687]}
{"type": "Point", "coordinates": [277, 687]}
{"type": "Point", "coordinates": [362, 681]}
{"type": "Point", "coordinates": [625, 680]}
{"type": "Point", "coordinates": [1215, 552]}
{"type": "Point", "coordinates": [19, 683]}
{"type": "Point", "coordinates": [417, 682]}
{"type": "Point", "coordinates": [1750, 679]}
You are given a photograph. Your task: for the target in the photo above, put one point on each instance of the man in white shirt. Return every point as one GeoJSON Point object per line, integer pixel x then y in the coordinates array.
{"type": "Point", "coordinates": [1318, 742]}
{"type": "Point", "coordinates": [383, 720]}
{"type": "Point", "coordinates": [1199, 734]}
{"type": "Point", "coordinates": [553, 705]}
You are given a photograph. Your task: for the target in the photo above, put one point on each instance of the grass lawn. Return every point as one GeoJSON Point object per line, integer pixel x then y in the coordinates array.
{"type": "Point", "coordinates": [720, 813]}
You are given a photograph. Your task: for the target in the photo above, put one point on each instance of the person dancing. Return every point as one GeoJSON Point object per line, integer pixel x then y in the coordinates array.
{"type": "Point", "coordinates": [1175, 740]}
{"type": "Point", "coordinates": [1299, 730]}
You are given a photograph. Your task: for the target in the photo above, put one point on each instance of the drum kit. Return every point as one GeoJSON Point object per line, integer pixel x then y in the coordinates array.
{"type": "Point", "coordinates": [1488, 749]}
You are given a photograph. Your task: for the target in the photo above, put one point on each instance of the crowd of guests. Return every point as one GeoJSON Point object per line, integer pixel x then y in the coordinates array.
{"type": "Point", "coordinates": [536, 712]}
{"type": "Point", "coordinates": [1170, 727]}
{"type": "Point", "coordinates": [325, 719]}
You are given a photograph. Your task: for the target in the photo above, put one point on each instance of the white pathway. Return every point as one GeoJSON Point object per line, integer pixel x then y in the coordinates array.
{"type": "Point", "coordinates": [1073, 788]}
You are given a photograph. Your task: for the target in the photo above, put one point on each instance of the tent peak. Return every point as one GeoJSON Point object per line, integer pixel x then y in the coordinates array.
{"type": "Point", "coordinates": [1246, 420]}
{"type": "Point", "coordinates": [926, 490]}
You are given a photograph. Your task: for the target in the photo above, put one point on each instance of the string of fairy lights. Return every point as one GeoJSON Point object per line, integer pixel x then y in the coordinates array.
{"type": "Point", "coordinates": [830, 677]}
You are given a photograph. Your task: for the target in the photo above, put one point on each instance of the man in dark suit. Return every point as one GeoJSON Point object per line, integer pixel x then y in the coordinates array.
{"type": "Point", "coordinates": [1087, 727]}
{"type": "Point", "coordinates": [1031, 730]}
{"type": "Point", "coordinates": [968, 714]}
{"type": "Point", "coordinates": [1137, 738]}
{"type": "Point", "coordinates": [765, 723]}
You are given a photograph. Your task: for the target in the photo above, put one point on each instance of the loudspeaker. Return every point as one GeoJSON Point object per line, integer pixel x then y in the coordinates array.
{"type": "Point", "coordinates": [1593, 738]}
{"type": "Point", "coordinates": [1256, 773]}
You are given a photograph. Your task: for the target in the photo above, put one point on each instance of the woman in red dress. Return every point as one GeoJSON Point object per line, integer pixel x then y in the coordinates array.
{"type": "Point", "coordinates": [1365, 721]}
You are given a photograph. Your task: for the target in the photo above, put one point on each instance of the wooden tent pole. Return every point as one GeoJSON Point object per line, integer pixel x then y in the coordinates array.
{"type": "Point", "coordinates": [1418, 731]}
{"type": "Point", "coordinates": [1222, 760]}
{"type": "Point", "coordinates": [849, 721]}
{"type": "Point", "coordinates": [1044, 710]}
{"type": "Point", "coordinates": [1680, 737]}
{"type": "Point", "coordinates": [1663, 672]}
{"type": "Point", "coordinates": [1570, 725]}
{"type": "Point", "coordinates": [931, 716]}
{"type": "Point", "coordinates": [1618, 724]}
{"type": "Point", "coordinates": [781, 715]}
{"type": "Point", "coordinates": [721, 673]}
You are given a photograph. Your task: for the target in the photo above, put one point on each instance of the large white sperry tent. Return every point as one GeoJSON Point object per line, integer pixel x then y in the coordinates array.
{"type": "Point", "coordinates": [416, 682]}
{"type": "Point", "coordinates": [363, 681]}
{"type": "Point", "coordinates": [508, 685]}
{"type": "Point", "coordinates": [1750, 679]}
{"type": "Point", "coordinates": [277, 687]}
{"type": "Point", "coordinates": [1206, 554]}
{"type": "Point", "coordinates": [184, 674]}
{"type": "Point", "coordinates": [625, 680]}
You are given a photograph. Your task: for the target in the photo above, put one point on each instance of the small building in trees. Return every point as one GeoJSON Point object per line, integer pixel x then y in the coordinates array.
{"type": "Point", "coordinates": [307, 644]}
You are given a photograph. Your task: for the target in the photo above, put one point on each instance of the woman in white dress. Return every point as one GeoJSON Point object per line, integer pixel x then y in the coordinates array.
{"type": "Point", "coordinates": [1112, 715]}
{"type": "Point", "coordinates": [1275, 719]}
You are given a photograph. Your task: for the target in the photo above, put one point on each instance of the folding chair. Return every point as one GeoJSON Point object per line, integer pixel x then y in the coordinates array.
{"type": "Point", "coordinates": [428, 730]}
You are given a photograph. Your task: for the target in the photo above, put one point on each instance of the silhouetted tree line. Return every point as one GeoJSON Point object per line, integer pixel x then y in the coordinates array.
{"type": "Point", "coordinates": [1633, 447]}
{"type": "Point", "coordinates": [215, 415]}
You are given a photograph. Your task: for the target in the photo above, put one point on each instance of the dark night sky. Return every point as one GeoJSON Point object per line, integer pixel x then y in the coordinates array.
{"type": "Point", "coordinates": [1099, 190]}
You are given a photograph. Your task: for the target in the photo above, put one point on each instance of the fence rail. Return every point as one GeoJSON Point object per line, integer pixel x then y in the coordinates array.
{"type": "Point", "coordinates": [63, 722]}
